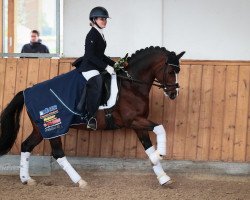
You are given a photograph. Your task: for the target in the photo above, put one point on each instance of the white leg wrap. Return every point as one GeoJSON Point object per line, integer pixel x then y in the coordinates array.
{"type": "Point", "coordinates": [161, 175]}
{"type": "Point", "coordinates": [66, 166]}
{"type": "Point", "coordinates": [24, 166]}
{"type": "Point", "coordinates": [161, 139]}
{"type": "Point", "coordinates": [153, 155]}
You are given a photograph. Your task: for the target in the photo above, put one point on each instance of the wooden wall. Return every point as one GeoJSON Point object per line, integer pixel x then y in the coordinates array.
{"type": "Point", "coordinates": [210, 120]}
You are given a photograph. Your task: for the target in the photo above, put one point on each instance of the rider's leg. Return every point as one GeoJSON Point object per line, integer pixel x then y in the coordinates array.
{"type": "Point", "coordinates": [87, 75]}
{"type": "Point", "coordinates": [93, 99]}
{"type": "Point", "coordinates": [58, 154]}
{"type": "Point", "coordinates": [93, 96]}
{"type": "Point", "coordinates": [26, 147]}
{"type": "Point", "coordinates": [154, 156]}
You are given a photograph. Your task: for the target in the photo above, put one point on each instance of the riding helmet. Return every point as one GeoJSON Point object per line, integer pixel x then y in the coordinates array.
{"type": "Point", "coordinates": [98, 12]}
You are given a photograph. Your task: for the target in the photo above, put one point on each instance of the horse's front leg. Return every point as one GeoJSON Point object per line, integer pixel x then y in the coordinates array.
{"type": "Point", "coordinates": [158, 129]}
{"type": "Point", "coordinates": [154, 156]}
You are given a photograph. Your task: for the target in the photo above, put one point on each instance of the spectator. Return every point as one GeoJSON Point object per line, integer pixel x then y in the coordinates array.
{"type": "Point", "coordinates": [35, 45]}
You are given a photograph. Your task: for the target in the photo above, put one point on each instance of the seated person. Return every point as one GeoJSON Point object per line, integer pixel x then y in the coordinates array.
{"type": "Point", "coordinates": [94, 62]}
{"type": "Point", "coordinates": [35, 45]}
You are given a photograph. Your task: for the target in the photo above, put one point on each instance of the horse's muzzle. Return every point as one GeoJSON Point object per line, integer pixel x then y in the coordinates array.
{"type": "Point", "coordinates": [173, 95]}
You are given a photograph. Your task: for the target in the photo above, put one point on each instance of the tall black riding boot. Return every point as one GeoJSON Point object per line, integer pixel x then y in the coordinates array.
{"type": "Point", "coordinates": [93, 100]}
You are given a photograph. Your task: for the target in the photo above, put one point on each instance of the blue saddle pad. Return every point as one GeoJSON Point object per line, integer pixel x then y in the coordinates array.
{"type": "Point", "coordinates": [52, 103]}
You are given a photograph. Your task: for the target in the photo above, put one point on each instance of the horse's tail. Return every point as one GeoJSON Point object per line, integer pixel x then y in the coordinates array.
{"type": "Point", "coordinates": [9, 123]}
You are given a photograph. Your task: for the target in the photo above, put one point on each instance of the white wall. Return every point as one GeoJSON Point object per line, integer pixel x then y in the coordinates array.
{"type": "Point", "coordinates": [128, 30]}
{"type": "Point", "coordinates": [208, 29]}
{"type": "Point", "coordinates": [205, 29]}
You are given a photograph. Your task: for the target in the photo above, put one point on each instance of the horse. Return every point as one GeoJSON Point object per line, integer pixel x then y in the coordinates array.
{"type": "Point", "coordinates": [145, 66]}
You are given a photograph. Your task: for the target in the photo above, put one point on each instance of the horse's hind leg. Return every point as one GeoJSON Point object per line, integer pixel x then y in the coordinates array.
{"type": "Point", "coordinates": [58, 154]}
{"type": "Point", "coordinates": [154, 156]}
{"type": "Point", "coordinates": [27, 146]}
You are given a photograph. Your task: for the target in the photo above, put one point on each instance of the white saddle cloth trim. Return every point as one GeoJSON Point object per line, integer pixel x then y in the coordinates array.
{"type": "Point", "coordinates": [113, 93]}
{"type": "Point", "coordinates": [89, 74]}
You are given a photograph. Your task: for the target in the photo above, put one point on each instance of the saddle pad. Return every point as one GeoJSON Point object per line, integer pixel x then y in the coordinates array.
{"type": "Point", "coordinates": [52, 103]}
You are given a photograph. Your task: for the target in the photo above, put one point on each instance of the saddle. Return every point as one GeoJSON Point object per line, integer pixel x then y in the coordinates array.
{"type": "Point", "coordinates": [106, 78]}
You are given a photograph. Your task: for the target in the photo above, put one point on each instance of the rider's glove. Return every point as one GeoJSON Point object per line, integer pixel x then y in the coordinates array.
{"type": "Point", "coordinates": [110, 70]}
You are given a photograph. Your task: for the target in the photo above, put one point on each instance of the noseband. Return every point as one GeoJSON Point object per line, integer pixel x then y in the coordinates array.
{"type": "Point", "coordinates": [166, 86]}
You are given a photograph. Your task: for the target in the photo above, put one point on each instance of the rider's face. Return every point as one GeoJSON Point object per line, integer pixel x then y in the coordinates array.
{"type": "Point", "coordinates": [101, 21]}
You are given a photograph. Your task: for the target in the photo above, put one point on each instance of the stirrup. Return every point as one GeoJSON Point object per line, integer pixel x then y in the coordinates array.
{"type": "Point", "coordinates": [92, 126]}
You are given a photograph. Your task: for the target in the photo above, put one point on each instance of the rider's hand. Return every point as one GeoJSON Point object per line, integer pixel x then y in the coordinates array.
{"type": "Point", "coordinates": [110, 70]}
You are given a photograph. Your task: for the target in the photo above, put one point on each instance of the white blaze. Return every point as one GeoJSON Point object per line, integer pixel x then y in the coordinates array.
{"type": "Point", "coordinates": [176, 81]}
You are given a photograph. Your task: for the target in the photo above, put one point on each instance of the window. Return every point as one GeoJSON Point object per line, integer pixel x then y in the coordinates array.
{"type": "Point", "coordinates": [20, 17]}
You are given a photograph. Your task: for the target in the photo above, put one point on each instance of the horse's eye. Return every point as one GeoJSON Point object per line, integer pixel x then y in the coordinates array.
{"type": "Point", "coordinates": [171, 73]}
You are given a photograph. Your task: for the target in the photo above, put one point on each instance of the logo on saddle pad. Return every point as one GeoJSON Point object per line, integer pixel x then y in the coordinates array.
{"type": "Point", "coordinates": [50, 120]}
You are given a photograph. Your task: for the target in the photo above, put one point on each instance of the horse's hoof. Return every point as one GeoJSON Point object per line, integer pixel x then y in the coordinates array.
{"type": "Point", "coordinates": [165, 180]}
{"type": "Point", "coordinates": [82, 184]}
{"type": "Point", "coordinates": [168, 182]}
{"type": "Point", "coordinates": [31, 182]}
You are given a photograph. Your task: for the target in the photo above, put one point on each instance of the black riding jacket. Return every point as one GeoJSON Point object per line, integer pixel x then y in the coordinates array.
{"type": "Point", "coordinates": [94, 57]}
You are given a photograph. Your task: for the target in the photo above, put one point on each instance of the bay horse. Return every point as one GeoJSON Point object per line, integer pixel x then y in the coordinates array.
{"type": "Point", "coordinates": [131, 111]}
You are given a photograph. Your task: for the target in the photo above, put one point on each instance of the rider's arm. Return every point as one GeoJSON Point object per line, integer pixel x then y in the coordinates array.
{"type": "Point", "coordinates": [108, 60]}
{"type": "Point", "coordinates": [77, 62]}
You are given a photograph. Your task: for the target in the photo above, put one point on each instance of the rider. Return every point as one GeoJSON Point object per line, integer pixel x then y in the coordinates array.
{"type": "Point", "coordinates": [95, 61]}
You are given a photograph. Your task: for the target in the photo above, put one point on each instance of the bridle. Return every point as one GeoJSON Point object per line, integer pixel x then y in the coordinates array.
{"type": "Point", "coordinates": [165, 86]}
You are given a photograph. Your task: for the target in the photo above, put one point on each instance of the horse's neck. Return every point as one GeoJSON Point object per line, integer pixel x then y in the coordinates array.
{"type": "Point", "coordinates": [143, 81]}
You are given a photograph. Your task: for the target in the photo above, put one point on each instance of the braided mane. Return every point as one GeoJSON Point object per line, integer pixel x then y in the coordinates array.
{"type": "Point", "coordinates": [139, 54]}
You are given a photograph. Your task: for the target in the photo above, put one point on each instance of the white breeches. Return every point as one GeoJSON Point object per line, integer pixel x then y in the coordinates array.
{"type": "Point", "coordinates": [89, 74]}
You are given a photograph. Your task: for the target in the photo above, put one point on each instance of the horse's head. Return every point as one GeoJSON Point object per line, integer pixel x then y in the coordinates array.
{"type": "Point", "coordinates": [152, 63]}
{"type": "Point", "coordinates": [167, 75]}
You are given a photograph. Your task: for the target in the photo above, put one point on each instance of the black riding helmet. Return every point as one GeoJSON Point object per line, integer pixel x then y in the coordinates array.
{"type": "Point", "coordinates": [98, 12]}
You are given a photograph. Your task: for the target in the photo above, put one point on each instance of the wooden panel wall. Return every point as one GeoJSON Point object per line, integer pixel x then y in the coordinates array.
{"type": "Point", "coordinates": [210, 119]}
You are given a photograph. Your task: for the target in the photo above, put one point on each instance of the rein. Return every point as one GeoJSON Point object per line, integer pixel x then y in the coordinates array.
{"type": "Point", "coordinates": [138, 81]}
{"type": "Point", "coordinates": [157, 84]}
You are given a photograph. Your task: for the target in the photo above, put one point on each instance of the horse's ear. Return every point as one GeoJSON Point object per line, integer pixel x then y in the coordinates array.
{"type": "Point", "coordinates": [180, 55]}
{"type": "Point", "coordinates": [126, 56]}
